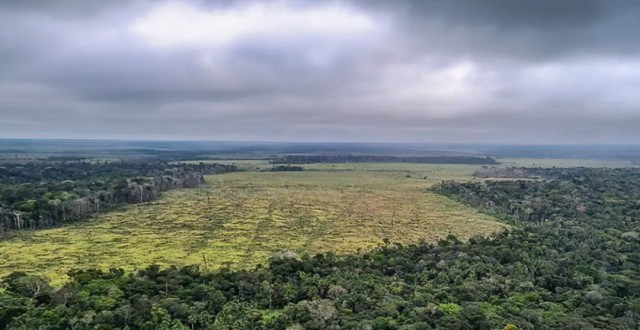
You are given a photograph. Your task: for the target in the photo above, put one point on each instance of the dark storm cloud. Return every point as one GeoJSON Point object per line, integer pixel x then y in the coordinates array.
{"type": "Point", "coordinates": [459, 71]}
{"type": "Point", "coordinates": [522, 30]}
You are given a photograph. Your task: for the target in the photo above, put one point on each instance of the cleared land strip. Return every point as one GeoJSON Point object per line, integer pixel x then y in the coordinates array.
{"type": "Point", "coordinates": [249, 217]}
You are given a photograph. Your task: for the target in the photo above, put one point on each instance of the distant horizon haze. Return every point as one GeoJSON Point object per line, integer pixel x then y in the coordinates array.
{"type": "Point", "coordinates": [337, 142]}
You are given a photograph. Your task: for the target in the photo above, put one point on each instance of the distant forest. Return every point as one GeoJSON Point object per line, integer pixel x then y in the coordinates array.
{"type": "Point", "coordinates": [286, 168]}
{"type": "Point", "coordinates": [308, 159]}
{"type": "Point", "coordinates": [570, 261]}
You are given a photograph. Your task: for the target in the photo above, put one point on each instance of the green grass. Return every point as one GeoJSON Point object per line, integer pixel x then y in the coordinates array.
{"type": "Point", "coordinates": [333, 207]}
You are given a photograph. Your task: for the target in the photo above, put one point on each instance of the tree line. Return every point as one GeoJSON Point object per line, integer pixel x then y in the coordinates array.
{"type": "Point", "coordinates": [308, 159]}
{"type": "Point", "coordinates": [48, 194]}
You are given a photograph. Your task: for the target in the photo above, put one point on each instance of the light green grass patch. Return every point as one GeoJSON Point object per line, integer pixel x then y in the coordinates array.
{"type": "Point", "coordinates": [251, 215]}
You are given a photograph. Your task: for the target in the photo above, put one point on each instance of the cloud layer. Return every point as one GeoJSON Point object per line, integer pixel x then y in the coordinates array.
{"type": "Point", "coordinates": [412, 71]}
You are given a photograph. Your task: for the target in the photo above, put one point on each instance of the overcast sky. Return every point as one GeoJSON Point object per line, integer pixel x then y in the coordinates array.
{"type": "Point", "coordinates": [537, 71]}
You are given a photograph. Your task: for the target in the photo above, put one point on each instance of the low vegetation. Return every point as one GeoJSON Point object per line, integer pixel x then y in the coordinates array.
{"type": "Point", "coordinates": [240, 219]}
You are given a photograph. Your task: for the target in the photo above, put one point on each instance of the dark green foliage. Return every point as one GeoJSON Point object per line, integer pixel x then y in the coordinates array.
{"type": "Point", "coordinates": [286, 168]}
{"type": "Point", "coordinates": [47, 194]}
{"type": "Point", "coordinates": [308, 159]}
{"type": "Point", "coordinates": [571, 262]}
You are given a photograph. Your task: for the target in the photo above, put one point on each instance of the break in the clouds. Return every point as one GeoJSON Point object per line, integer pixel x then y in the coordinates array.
{"type": "Point", "coordinates": [539, 71]}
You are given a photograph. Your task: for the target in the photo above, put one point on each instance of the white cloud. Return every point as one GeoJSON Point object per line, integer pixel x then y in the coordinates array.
{"type": "Point", "coordinates": [425, 89]}
{"type": "Point", "coordinates": [595, 84]}
{"type": "Point", "coordinates": [176, 24]}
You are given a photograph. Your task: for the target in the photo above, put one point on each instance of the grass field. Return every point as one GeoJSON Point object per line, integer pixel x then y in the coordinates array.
{"type": "Point", "coordinates": [250, 215]}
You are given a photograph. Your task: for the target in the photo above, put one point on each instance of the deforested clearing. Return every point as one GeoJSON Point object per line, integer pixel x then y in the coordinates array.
{"type": "Point", "coordinates": [239, 220]}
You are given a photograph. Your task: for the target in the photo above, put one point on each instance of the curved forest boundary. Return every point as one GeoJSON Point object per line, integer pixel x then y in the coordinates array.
{"type": "Point", "coordinates": [239, 219]}
{"type": "Point", "coordinates": [49, 194]}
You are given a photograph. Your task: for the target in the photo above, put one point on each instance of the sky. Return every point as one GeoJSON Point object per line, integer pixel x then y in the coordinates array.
{"type": "Point", "coordinates": [459, 71]}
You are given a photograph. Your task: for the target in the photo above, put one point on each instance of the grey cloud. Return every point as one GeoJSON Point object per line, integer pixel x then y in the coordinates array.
{"type": "Point", "coordinates": [522, 30]}
{"type": "Point", "coordinates": [434, 71]}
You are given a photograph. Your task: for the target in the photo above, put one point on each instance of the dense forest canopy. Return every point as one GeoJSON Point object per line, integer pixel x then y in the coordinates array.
{"type": "Point", "coordinates": [571, 261]}
{"type": "Point", "coordinates": [286, 168]}
{"type": "Point", "coordinates": [308, 159]}
{"type": "Point", "coordinates": [45, 194]}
